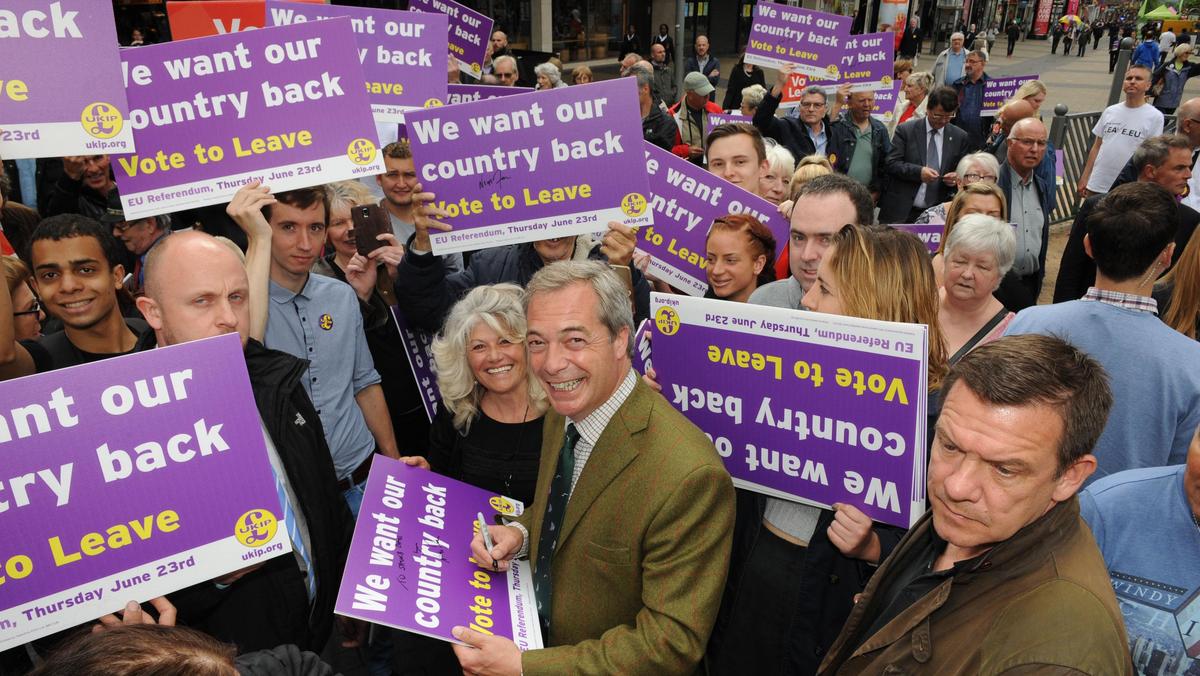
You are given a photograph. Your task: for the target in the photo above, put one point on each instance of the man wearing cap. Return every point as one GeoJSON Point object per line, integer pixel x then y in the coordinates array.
{"type": "Point", "coordinates": [137, 236]}
{"type": "Point", "coordinates": [691, 116]}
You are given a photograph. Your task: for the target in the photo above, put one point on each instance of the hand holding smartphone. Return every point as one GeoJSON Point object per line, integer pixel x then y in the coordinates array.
{"type": "Point", "coordinates": [369, 221]}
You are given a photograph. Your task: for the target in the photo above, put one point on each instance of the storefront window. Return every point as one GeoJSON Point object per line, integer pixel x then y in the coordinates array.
{"type": "Point", "coordinates": [586, 29]}
{"type": "Point", "coordinates": [511, 16]}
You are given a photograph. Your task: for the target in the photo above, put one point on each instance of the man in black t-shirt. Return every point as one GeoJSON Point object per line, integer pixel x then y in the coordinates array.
{"type": "Point", "coordinates": [77, 275]}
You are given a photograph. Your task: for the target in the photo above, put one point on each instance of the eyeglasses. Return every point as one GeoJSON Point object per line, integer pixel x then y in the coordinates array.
{"type": "Point", "coordinates": [35, 309]}
{"type": "Point", "coordinates": [122, 226]}
{"type": "Point", "coordinates": [1029, 142]}
{"type": "Point", "coordinates": [975, 178]}
{"type": "Point", "coordinates": [813, 104]}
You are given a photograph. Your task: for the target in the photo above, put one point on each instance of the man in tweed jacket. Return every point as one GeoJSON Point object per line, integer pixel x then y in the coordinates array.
{"type": "Point", "coordinates": [642, 550]}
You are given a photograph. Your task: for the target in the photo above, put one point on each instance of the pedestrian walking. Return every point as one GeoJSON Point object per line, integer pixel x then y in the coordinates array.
{"type": "Point", "coordinates": [1014, 32]}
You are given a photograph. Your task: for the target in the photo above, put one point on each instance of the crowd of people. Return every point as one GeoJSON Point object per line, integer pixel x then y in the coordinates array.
{"type": "Point", "coordinates": [1064, 438]}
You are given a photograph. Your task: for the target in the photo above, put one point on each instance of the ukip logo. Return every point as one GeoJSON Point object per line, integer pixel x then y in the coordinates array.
{"type": "Point", "coordinates": [102, 120]}
{"type": "Point", "coordinates": [255, 527]}
{"type": "Point", "coordinates": [361, 151]}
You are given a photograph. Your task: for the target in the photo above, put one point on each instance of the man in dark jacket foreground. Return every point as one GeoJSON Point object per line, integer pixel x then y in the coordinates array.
{"type": "Point", "coordinates": [1001, 575]}
{"type": "Point", "coordinates": [271, 603]}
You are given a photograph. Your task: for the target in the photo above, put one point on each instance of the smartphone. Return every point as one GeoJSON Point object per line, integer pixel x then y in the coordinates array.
{"type": "Point", "coordinates": [369, 221]}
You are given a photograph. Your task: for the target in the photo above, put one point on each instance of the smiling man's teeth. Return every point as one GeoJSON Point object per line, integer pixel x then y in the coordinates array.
{"type": "Point", "coordinates": [567, 386]}
{"type": "Point", "coordinates": [78, 303]}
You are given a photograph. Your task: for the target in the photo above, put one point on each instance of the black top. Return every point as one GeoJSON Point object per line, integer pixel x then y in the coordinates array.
{"type": "Point", "coordinates": [915, 580]}
{"type": "Point", "coordinates": [498, 457]}
{"type": "Point", "coordinates": [56, 351]}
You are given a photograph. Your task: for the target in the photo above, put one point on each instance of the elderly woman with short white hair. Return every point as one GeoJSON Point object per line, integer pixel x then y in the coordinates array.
{"type": "Point", "coordinates": [775, 183]}
{"type": "Point", "coordinates": [978, 253]}
{"type": "Point", "coordinates": [972, 168]}
{"type": "Point", "coordinates": [752, 98]}
{"type": "Point", "coordinates": [548, 76]}
{"type": "Point", "coordinates": [488, 430]}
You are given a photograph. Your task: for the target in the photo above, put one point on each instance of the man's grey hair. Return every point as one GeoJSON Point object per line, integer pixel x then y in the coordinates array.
{"type": "Point", "coordinates": [813, 90]}
{"type": "Point", "coordinates": [957, 35]}
{"type": "Point", "coordinates": [644, 79]}
{"type": "Point", "coordinates": [613, 297]}
{"type": "Point", "coordinates": [505, 58]}
{"type": "Point", "coordinates": [983, 234]}
{"type": "Point", "coordinates": [979, 54]}
{"type": "Point", "coordinates": [1156, 150]}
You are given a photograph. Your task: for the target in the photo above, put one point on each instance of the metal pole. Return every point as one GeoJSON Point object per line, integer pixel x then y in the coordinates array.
{"type": "Point", "coordinates": [679, 40]}
{"type": "Point", "coordinates": [868, 27]}
{"type": "Point", "coordinates": [1058, 126]}
{"type": "Point", "coordinates": [1114, 92]}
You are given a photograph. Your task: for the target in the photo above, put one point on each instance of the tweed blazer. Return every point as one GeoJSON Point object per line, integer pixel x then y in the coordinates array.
{"type": "Point", "coordinates": [641, 562]}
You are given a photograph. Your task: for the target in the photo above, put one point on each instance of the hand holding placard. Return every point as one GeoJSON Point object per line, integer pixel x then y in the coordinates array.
{"type": "Point", "coordinates": [424, 213]}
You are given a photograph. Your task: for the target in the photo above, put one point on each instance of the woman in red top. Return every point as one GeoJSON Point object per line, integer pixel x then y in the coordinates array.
{"type": "Point", "coordinates": [912, 101]}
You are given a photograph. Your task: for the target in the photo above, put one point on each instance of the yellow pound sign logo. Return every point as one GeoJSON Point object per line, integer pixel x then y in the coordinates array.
{"type": "Point", "coordinates": [886, 79]}
{"type": "Point", "coordinates": [326, 321]}
{"type": "Point", "coordinates": [433, 103]}
{"type": "Point", "coordinates": [102, 120]}
{"type": "Point", "coordinates": [476, 68]}
{"type": "Point", "coordinates": [361, 151]}
{"type": "Point", "coordinates": [667, 321]}
{"type": "Point", "coordinates": [256, 527]}
{"type": "Point", "coordinates": [633, 204]}
{"type": "Point", "coordinates": [832, 71]}
{"type": "Point", "coordinates": [502, 505]}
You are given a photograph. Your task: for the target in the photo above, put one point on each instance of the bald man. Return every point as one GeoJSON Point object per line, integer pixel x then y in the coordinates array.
{"type": "Point", "coordinates": [197, 287]}
{"type": "Point", "coordinates": [997, 144]}
{"type": "Point", "coordinates": [1028, 195]}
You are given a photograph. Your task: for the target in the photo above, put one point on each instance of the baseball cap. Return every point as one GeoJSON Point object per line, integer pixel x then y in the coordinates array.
{"type": "Point", "coordinates": [696, 83]}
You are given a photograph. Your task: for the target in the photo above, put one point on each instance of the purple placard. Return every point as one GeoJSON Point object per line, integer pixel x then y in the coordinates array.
{"type": "Point", "coordinates": [467, 93]}
{"type": "Point", "coordinates": [244, 124]}
{"type": "Point", "coordinates": [469, 32]}
{"type": "Point", "coordinates": [685, 200]}
{"type": "Point", "coordinates": [814, 41]}
{"type": "Point", "coordinates": [866, 62]}
{"type": "Point", "coordinates": [930, 233]}
{"type": "Point", "coordinates": [641, 346]}
{"type": "Point", "coordinates": [127, 479]}
{"type": "Point", "coordinates": [400, 52]}
{"type": "Point", "coordinates": [713, 120]}
{"type": "Point", "coordinates": [61, 93]}
{"type": "Point", "coordinates": [554, 163]}
{"type": "Point", "coordinates": [1059, 166]}
{"type": "Point", "coordinates": [410, 563]}
{"type": "Point", "coordinates": [998, 90]}
{"type": "Point", "coordinates": [418, 347]}
{"type": "Point", "coordinates": [884, 108]}
{"type": "Point", "coordinates": [803, 406]}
